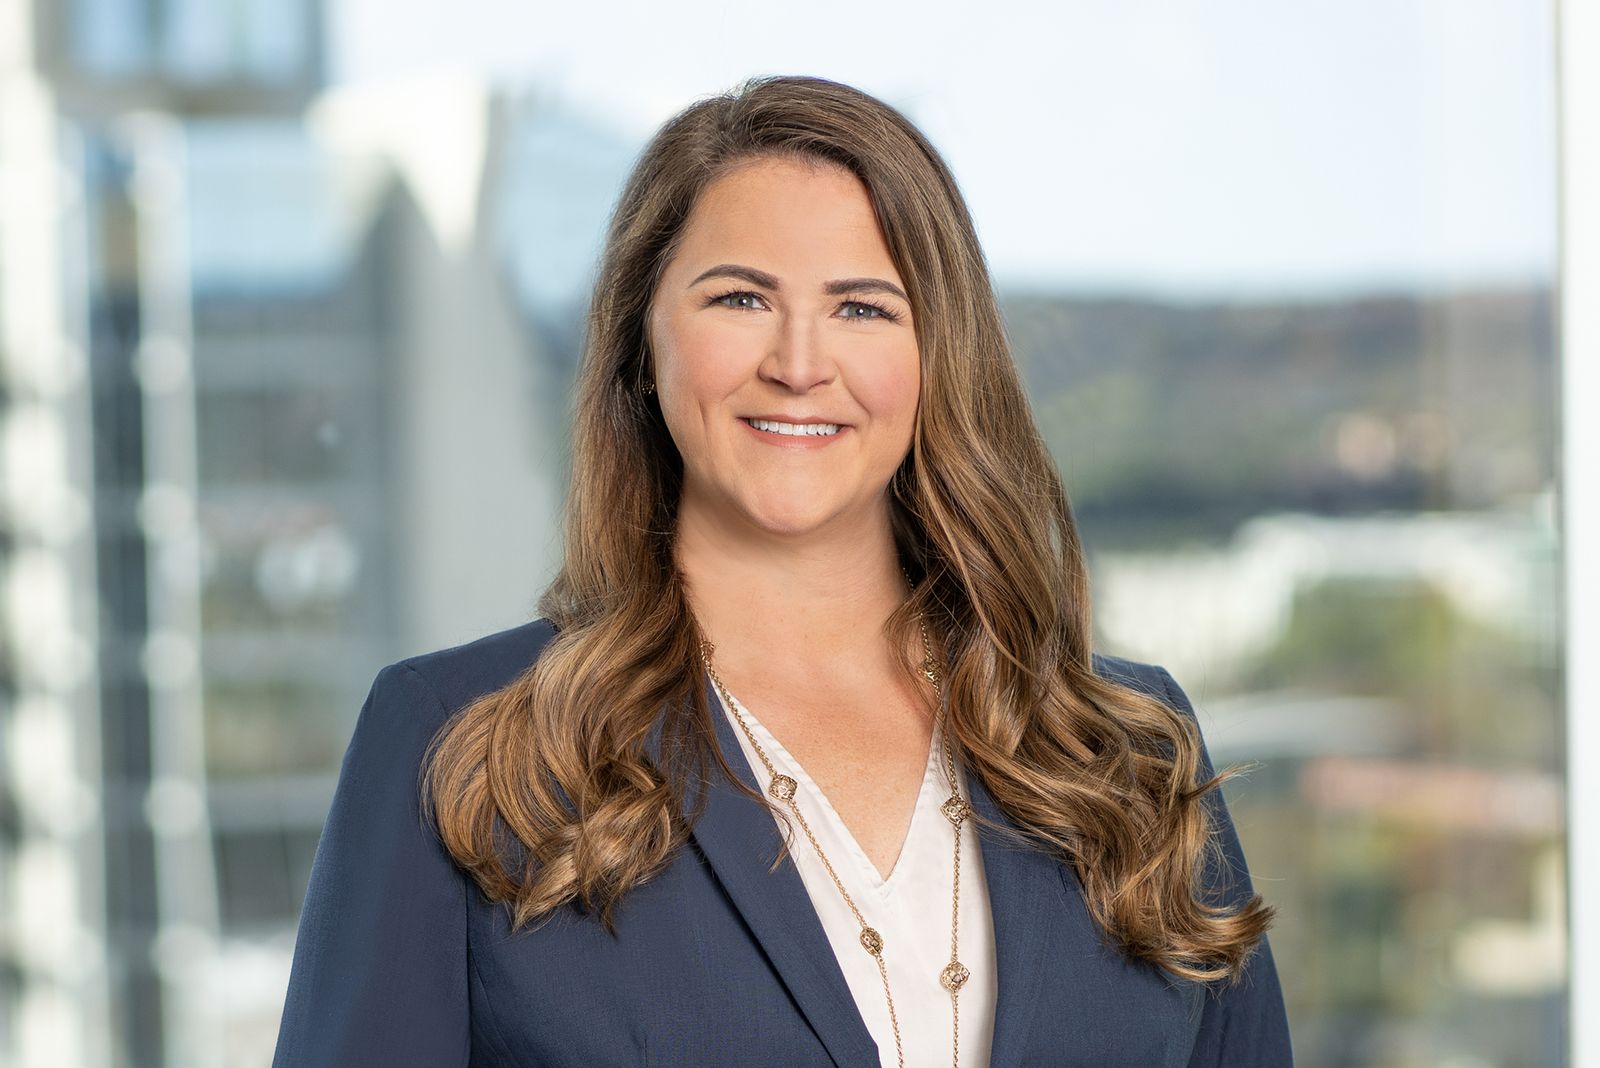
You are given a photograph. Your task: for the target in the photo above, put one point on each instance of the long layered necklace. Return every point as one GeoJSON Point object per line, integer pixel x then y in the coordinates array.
{"type": "Point", "coordinates": [952, 976]}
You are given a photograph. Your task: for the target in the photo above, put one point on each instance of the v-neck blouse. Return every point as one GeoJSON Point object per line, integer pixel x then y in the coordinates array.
{"type": "Point", "coordinates": [910, 908]}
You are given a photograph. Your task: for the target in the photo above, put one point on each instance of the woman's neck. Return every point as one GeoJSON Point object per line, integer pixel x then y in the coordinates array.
{"type": "Point", "coordinates": [807, 604]}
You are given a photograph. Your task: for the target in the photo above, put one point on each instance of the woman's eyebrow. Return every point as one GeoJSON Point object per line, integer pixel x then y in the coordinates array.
{"type": "Point", "coordinates": [836, 288]}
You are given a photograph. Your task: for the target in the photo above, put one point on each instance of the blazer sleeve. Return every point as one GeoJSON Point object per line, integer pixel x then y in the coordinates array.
{"type": "Point", "coordinates": [1244, 1025]}
{"type": "Point", "coordinates": [379, 975]}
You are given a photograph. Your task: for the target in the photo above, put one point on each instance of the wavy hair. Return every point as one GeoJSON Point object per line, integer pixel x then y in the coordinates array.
{"type": "Point", "coordinates": [544, 790]}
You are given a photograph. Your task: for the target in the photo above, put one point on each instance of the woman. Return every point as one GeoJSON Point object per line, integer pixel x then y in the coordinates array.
{"type": "Point", "coordinates": [808, 761]}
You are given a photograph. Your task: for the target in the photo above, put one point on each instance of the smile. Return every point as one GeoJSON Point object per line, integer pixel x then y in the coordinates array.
{"type": "Point", "coordinates": [795, 435]}
{"type": "Point", "coordinates": [772, 426]}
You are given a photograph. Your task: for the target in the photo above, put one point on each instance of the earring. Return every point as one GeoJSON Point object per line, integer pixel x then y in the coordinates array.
{"type": "Point", "coordinates": [649, 387]}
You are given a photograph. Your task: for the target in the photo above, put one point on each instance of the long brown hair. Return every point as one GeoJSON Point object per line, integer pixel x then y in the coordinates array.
{"type": "Point", "coordinates": [556, 763]}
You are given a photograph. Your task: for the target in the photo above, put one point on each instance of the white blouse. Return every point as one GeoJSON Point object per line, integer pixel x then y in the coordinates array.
{"type": "Point", "coordinates": [911, 909]}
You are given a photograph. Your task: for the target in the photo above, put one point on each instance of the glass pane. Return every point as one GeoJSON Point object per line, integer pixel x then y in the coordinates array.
{"type": "Point", "coordinates": [251, 41]}
{"type": "Point", "coordinates": [110, 37]}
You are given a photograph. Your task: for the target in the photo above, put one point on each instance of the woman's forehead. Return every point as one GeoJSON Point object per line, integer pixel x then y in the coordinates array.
{"type": "Point", "coordinates": [784, 218]}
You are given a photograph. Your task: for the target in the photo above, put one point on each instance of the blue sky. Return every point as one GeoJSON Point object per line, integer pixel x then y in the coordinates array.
{"type": "Point", "coordinates": [1239, 146]}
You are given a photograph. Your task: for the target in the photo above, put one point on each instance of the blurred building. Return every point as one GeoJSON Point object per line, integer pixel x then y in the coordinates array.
{"type": "Point", "coordinates": [1495, 567]}
{"type": "Point", "coordinates": [1385, 683]}
{"type": "Point", "coordinates": [270, 417]}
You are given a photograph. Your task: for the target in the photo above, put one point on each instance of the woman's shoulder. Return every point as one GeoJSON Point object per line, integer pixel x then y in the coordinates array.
{"type": "Point", "coordinates": [1151, 678]}
{"type": "Point", "coordinates": [458, 674]}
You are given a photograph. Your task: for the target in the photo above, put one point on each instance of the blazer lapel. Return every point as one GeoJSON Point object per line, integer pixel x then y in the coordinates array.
{"type": "Point", "coordinates": [739, 838]}
{"type": "Point", "coordinates": [1025, 898]}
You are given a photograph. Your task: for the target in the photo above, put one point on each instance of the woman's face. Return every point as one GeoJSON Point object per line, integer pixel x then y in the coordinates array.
{"type": "Point", "coordinates": [767, 312]}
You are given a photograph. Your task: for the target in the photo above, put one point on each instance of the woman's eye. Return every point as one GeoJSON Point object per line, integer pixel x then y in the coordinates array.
{"type": "Point", "coordinates": [865, 309]}
{"type": "Point", "coordinates": [739, 295]}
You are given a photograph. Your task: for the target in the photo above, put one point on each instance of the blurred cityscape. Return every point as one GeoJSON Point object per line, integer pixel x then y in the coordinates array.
{"type": "Point", "coordinates": [272, 353]}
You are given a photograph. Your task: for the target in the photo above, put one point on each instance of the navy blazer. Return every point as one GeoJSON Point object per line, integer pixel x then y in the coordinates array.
{"type": "Point", "coordinates": [401, 960]}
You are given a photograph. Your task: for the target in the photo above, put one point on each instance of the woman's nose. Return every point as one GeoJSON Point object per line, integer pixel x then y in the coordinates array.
{"type": "Point", "coordinates": [798, 357]}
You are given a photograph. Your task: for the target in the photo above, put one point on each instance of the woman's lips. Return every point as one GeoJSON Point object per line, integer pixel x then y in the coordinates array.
{"type": "Point", "coordinates": [796, 441]}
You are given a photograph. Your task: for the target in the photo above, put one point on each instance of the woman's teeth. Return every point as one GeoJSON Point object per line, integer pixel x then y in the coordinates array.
{"type": "Point", "coordinates": [799, 430]}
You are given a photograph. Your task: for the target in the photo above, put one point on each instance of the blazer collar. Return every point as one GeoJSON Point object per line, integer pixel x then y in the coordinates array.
{"type": "Point", "coordinates": [739, 838]}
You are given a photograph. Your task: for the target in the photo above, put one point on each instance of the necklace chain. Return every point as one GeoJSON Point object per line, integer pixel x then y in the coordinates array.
{"type": "Point", "coordinates": [953, 976]}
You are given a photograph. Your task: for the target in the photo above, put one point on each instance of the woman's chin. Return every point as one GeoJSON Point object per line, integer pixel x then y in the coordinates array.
{"type": "Point", "coordinates": [793, 523]}
{"type": "Point", "coordinates": [796, 511]}
{"type": "Point", "coordinates": [799, 516]}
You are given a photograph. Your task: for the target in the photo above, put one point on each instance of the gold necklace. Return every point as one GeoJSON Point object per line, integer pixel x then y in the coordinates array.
{"type": "Point", "coordinates": [955, 808]}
